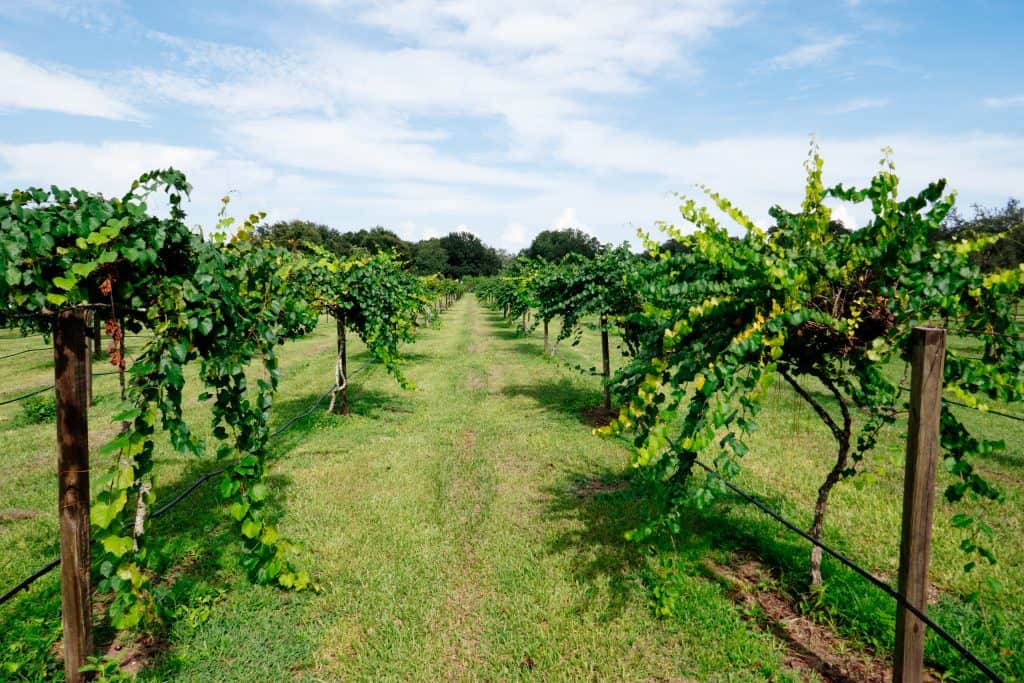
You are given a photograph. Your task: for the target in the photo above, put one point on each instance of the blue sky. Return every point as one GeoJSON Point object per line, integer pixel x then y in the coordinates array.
{"type": "Point", "coordinates": [509, 118]}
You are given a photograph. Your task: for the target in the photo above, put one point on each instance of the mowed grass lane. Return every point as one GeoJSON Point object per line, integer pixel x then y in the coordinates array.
{"type": "Point", "coordinates": [462, 531]}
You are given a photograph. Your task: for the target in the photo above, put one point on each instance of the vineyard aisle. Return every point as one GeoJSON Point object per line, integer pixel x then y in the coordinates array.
{"type": "Point", "coordinates": [468, 530]}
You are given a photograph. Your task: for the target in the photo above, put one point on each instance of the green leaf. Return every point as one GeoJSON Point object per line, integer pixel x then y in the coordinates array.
{"type": "Point", "coordinates": [117, 545]}
{"type": "Point", "coordinates": [251, 528]}
{"type": "Point", "coordinates": [258, 492]}
{"type": "Point", "coordinates": [103, 512]}
{"type": "Point", "coordinates": [238, 511]}
{"type": "Point", "coordinates": [65, 283]}
{"type": "Point", "coordinates": [83, 269]}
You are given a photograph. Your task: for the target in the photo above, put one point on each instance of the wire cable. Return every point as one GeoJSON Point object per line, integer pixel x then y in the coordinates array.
{"type": "Point", "coordinates": [46, 569]}
{"type": "Point", "coordinates": [18, 353]}
{"type": "Point", "coordinates": [48, 387]}
{"type": "Point", "coordinates": [899, 597]}
{"type": "Point", "coordinates": [951, 402]}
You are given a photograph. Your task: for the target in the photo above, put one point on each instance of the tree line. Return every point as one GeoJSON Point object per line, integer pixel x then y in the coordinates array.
{"type": "Point", "coordinates": [456, 255]}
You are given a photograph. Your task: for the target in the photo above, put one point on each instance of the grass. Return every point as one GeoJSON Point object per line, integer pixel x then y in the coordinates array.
{"type": "Point", "coordinates": [468, 530]}
{"type": "Point", "coordinates": [788, 460]}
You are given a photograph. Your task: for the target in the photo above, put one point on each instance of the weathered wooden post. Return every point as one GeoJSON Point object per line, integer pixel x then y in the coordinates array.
{"type": "Point", "coordinates": [929, 355]}
{"type": "Point", "coordinates": [72, 367]}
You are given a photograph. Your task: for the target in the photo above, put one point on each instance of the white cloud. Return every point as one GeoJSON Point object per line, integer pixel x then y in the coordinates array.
{"type": "Point", "coordinates": [515, 237]}
{"type": "Point", "coordinates": [365, 147]}
{"type": "Point", "coordinates": [753, 172]}
{"type": "Point", "coordinates": [110, 167]}
{"type": "Point", "coordinates": [807, 54]}
{"type": "Point", "coordinates": [1004, 102]}
{"type": "Point", "coordinates": [569, 219]}
{"type": "Point", "coordinates": [24, 85]}
{"type": "Point", "coordinates": [859, 104]}
{"type": "Point", "coordinates": [527, 64]}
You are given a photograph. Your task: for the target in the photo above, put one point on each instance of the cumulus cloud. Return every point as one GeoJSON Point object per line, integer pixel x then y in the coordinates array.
{"type": "Point", "coordinates": [754, 172]}
{"type": "Point", "coordinates": [27, 85]}
{"type": "Point", "coordinates": [807, 54]}
{"type": "Point", "coordinates": [514, 237]}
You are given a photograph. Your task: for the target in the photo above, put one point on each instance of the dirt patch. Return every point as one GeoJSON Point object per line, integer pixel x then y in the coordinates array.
{"type": "Point", "coordinates": [137, 653]}
{"type": "Point", "coordinates": [476, 383]}
{"type": "Point", "coordinates": [810, 646]}
{"type": "Point", "coordinates": [599, 416]}
{"type": "Point", "coordinates": [132, 651]}
{"type": "Point", "coordinates": [594, 487]}
{"type": "Point", "coordinates": [15, 514]}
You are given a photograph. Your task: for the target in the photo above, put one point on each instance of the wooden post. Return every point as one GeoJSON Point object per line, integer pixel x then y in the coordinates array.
{"type": "Point", "coordinates": [606, 367]}
{"type": "Point", "coordinates": [72, 355]}
{"type": "Point", "coordinates": [547, 350]}
{"type": "Point", "coordinates": [929, 355]}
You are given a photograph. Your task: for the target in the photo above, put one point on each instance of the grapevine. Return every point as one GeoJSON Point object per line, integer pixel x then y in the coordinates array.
{"type": "Point", "coordinates": [724, 317]}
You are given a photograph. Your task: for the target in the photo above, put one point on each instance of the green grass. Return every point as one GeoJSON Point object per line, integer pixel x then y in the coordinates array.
{"type": "Point", "coordinates": [446, 526]}
{"type": "Point", "coordinates": [788, 460]}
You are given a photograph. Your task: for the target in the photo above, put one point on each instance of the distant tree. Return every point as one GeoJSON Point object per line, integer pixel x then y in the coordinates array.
{"type": "Point", "coordinates": [429, 257]}
{"type": "Point", "coordinates": [554, 245]}
{"type": "Point", "coordinates": [1006, 223]}
{"type": "Point", "coordinates": [467, 255]}
{"type": "Point", "coordinates": [293, 234]}
{"type": "Point", "coordinates": [505, 257]}
{"type": "Point", "coordinates": [376, 240]}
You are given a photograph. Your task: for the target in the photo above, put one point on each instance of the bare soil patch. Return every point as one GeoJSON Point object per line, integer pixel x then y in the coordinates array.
{"type": "Point", "coordinates": [16, 514]}
{"type": "Point", "coordinates": [594, 487]}
{"type": "Point", "coordinates": [599, 416]}
{"type": "Point", "coordinates": [810, 646]}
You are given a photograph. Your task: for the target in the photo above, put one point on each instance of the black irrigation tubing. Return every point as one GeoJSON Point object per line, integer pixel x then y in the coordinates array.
{"type": "Point", "coordinates": [42, 571]}
{"type": "Point", "coordinates": [46, 569]}
{"type": "Point", "coordinates": [896, 595]}
{"type": "Point", "coordinates": [184, 494]}
{"type": "Point", "coordinates": [47, 388]}
{"type": "Point", "coordinates": [300, 416]}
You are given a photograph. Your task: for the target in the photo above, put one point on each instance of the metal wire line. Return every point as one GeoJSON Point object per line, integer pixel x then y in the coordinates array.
{"type": "Point", "coordinates": [25, 584]}
{"type": "Point", "coordinates": [47, 388]}
{"type": "Point", "coordinates": [951, 402]}
{"type": "Point", "coordinates": [18, 353]}
{"type": "Point", "coordinates": [896, 595]}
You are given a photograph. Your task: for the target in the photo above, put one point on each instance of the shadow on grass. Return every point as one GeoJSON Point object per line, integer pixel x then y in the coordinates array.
{"type": "Point", "coordinates": [192, 550]}
{"type": "Point", "coordinates": [563, 396]}
{"type": "Point", "coordinates": [309, 414]}
{"type": "Point", "coordinates": [601, 507]}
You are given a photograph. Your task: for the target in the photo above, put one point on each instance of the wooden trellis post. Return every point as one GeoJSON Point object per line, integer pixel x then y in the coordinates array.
{"type": "Point", "coordinates": [928, 361]}
{"type": "Point", "coordinates": [72, 367]}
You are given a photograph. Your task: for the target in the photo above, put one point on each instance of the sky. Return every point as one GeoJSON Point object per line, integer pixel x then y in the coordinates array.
{"type": "Point", "coordinates": [506, 118]}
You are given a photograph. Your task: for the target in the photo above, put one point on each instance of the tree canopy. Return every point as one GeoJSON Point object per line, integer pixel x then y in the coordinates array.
{"type": "Point", "coordinates": [296, 233]}
{"type": "Point", "coordinates": [429, 257]}
{"type": "Point", "coordinates": [1006, 225]}
{"type": "Point", "coordinates": [554, 245]}
{"type": "Point", "coordinates": [467, 256]}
